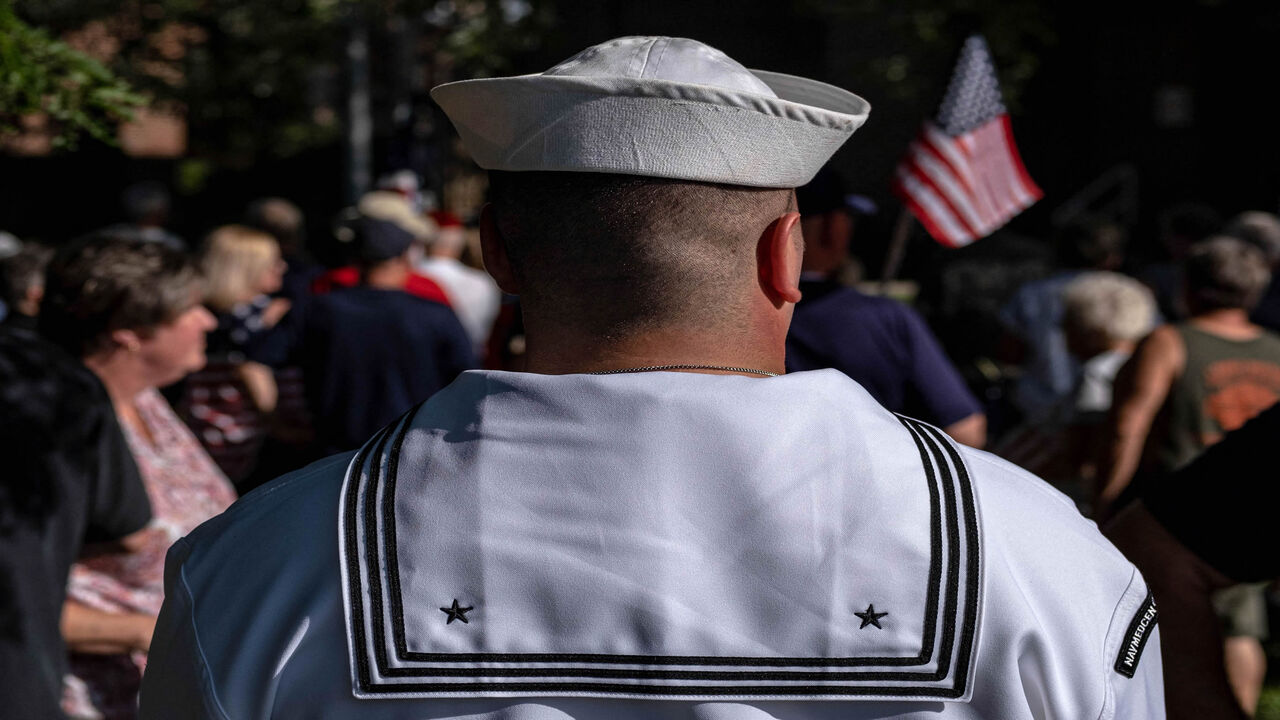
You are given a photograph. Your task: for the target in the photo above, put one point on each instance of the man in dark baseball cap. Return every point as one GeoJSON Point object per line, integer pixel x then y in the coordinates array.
{"type": "Point", "coordinates": [371, 351]}
{"type": "Point", "coordinates": [377, 241]}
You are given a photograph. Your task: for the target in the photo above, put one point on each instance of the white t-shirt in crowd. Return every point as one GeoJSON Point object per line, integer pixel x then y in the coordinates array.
{"type": "Point", "coordinates": [473, 295]}
{"type": "Point", "coordinates": [1097, 376]}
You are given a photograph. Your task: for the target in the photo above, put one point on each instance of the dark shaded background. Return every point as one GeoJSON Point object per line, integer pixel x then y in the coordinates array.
{"type": "Point", "coordinates": [1087, 106]}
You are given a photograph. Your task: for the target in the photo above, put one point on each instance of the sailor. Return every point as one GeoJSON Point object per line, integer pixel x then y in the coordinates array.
{"type": "Point", "coordinates": [654, 521]}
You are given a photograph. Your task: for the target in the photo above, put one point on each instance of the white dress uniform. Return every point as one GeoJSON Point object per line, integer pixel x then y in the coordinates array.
{"type": "Point", "coordinates": [660, 544]}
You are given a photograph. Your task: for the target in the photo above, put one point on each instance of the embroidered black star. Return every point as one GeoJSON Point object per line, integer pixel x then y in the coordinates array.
{"type": "Point", "coordinates": [460, 613]}
{"type": "Point", "coordinates": [870, 617]}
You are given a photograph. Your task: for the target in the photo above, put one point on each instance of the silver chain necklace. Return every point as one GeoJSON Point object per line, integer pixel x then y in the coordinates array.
{"type": "Point", "coordinates": [654, 368]}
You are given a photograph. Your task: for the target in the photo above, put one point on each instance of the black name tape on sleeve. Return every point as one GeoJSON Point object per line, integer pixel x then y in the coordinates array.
{"type": "Point", "coordinates": [1135, 638]}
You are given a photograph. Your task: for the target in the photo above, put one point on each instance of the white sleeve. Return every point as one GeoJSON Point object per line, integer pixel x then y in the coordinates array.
{"type": "Point", "coordinates": [177, 682]}
{"type": "Point", "coordinates": [1134, 669]}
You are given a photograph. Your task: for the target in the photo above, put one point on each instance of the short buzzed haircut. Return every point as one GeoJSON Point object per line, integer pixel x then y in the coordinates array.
{"type": "Point", "coordinates": [623, 254]}
{"type": "Point", "coordinates": [1224, 272]}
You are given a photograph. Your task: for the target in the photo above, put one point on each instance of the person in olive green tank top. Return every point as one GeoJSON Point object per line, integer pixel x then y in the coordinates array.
{"type": "Point", "coordinates": [1184, 388]}
{"type": "Point", "coordinates": [1188, 384]}
{"type": "Point", "coordinates": [1224, 382]}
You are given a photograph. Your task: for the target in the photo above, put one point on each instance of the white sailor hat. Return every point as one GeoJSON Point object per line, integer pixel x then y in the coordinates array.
{"type": "Point", "coordinates": [657, 107]}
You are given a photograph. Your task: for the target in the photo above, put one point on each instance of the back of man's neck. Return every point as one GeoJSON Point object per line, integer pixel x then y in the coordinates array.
{"type": "Point", "coordinates": [388, 276]}
{"type": "Point", "coordinates": [558, 353]}
{"type": "Point", "coordinates": [1230, 322]}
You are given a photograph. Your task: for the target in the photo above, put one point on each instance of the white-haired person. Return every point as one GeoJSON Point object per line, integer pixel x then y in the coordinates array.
{"type": "Point", "coordinates": [1032, 318]}
{"type": "Point", "coordinates": [1104, 315]}
{"type": "Point", "coordinates": [655, 520]}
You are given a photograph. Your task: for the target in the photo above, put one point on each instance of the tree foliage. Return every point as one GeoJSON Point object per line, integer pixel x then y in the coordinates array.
{"type": "Point", "coordinates": [265, 78]}
{"type": "Point", "coordinates": [929, 33]}
{"type": "Point", "coordinates": [43, 81]}
{"type": "Point", "coordinates": [259, 78]}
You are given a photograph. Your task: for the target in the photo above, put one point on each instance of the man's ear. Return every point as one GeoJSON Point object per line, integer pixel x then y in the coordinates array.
{"type": "Point", "coordinates": [494, 249]}
{"type": "Point", "coordinates": [778, 255]}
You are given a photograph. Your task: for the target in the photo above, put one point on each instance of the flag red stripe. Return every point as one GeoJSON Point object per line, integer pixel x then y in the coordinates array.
{"type": "Point", "coordinates": [945, 181]}
{"type": "Point", "coordinates": [1000, 164]}
{"type": "Point", "coordinates": [955, 205]}
{"type": "Point", "coordinates": [932, 146]}
{"type": "Point", "coordinates": [943, 214]}
{"type": "Point", "coordinates": [963, 175]}
{"type": "Point", "coordinates": [1011, 165]}
{"type": "Point", "coordinates": [927, 208]}
{"type": "Point", "coordinates": [936, 216]}
{"type": "Point", "coordinates": [923, 216]}
{"type": "Point", "coordinates": [987, 183]}
{"type": "Point", "coordinates": [959, 159]}
{"type": "Point", "coordinates": [995, 167]}
{"type": "Point", "coordinates": [1024, 176]}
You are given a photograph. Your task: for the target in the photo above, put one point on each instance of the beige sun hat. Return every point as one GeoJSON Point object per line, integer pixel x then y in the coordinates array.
{"type": "Point", "coordinates": [394, 207]}
{"type": "Point", "coordinates": [657, 107]}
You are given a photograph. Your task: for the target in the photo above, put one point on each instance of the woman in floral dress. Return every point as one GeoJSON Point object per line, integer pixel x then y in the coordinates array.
{"type": "Point", "coordinates": [132, 313]}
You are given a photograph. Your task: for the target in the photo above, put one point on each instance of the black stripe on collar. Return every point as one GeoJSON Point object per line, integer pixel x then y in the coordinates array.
{"type": "Point", "coordinates": [372, 477]}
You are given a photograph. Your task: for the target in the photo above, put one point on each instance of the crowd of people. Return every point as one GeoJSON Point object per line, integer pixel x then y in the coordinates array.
{"type": "Point", "coordinates": [1120, 375]}
{"type": "Point", "coordinates": [146, 383]}
{"type": "Point", "coordinates": [219, 369]}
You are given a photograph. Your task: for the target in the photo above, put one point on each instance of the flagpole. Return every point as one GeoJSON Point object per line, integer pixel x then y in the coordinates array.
{"type": "Point", "coordinates": [897, 247]}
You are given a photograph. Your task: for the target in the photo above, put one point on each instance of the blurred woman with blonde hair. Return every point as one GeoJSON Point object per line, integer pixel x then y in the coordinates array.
{"type": "Point", "coordinates": [228, 402]}
{"type": "Point", "coordinates": [240, 265]}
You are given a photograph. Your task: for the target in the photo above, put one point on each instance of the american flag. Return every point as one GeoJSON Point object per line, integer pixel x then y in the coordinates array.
{"type": "Point", "coordinates": [962, 176]}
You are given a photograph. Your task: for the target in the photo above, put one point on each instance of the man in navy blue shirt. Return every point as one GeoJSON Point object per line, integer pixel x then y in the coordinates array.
{"type": "Point", "coordinates": [881, 343]}
{"type": "Point", "coordinates": [371, 352]}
